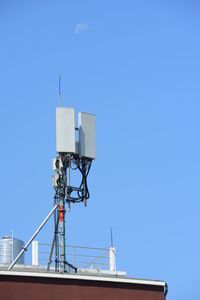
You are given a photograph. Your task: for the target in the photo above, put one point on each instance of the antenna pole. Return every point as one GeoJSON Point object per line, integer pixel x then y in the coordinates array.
{"type": "Point", "coordinates": [111, 237]}
{"type": "Point", "coordinates": [59, 90]}
{"type": "Point", "coordinates": [62, 218]}
{"type": "Point", "coordinates": [12, 244]}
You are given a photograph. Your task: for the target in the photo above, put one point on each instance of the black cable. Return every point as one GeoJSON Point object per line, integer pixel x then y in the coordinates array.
{"type": "Point", "coordinates": [83, 165]}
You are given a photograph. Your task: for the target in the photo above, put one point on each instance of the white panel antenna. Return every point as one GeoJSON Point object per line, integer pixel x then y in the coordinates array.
{"type": "Point", "coordinates": [65, 129]}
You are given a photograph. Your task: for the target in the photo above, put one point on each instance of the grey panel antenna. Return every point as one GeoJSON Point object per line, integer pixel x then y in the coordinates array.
{"type": "Point", "coordinates": [87, 135]}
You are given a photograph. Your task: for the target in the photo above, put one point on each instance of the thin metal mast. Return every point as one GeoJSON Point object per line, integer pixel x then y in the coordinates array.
{"type": "Point", "coordinates": [62, 219]}
{"type": "Point", "coordinates": [111, 237]}
{"type": "Point", "coordinates": [59, 90]}
{"type": "Point", "coordinates": [56, 223]}
{"type": "Point", "coordinates": [62, 205]}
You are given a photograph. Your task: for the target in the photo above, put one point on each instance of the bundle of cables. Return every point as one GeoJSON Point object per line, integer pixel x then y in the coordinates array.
{"type": "Point", "coordinates": [75, 163]}
{"type": "Point", "coordinates": [83, 165]}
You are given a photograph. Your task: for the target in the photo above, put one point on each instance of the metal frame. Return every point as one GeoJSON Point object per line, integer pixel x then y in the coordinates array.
{"type": "Point", "coordinates": [79, 256]}
{"type": "Point", "coordinates": [64, 194]}
{"type": "Point", "coordinates": [32, 238]}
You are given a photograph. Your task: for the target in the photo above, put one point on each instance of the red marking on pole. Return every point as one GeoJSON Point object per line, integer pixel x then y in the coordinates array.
{"type": "Point", "coordinates": [62, 213]}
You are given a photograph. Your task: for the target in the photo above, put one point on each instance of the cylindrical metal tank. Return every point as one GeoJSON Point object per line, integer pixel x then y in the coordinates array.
{"type": "Point", "coordinates": [9, 249]}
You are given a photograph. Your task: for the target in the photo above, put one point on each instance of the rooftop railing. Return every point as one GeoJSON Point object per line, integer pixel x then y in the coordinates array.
{"type": "Point", "coordinates": [78, 256]}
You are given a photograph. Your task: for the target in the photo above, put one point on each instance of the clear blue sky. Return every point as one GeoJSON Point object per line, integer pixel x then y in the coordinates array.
{"type": "Point", "coordinates": [136, 65]}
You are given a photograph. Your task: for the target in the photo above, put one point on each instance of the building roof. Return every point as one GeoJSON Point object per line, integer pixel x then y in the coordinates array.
{"type": "Point", "coordinates": [87, 276]}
